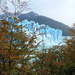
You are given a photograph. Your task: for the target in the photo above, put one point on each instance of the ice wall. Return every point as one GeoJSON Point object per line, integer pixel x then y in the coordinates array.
{"type": "Point", "coordinates": [50, 36]}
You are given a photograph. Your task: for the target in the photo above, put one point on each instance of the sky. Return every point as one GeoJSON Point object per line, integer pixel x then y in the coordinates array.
{"type": "Point", "coordinates": [59, 10]}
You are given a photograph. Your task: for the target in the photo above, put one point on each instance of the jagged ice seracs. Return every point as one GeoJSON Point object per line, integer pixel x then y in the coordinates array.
{"type": "Point", "coordinates": [47, 35]}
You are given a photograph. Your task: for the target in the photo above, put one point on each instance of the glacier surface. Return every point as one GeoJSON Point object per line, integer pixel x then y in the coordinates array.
{"type": "Point", "coordinates": [47, 35]}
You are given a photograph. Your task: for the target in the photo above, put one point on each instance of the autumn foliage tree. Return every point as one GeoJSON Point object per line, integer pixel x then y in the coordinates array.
{"type": "Point", "coordinates": [15, 49]}
{"type": "Point", "coordinates": [50, 62]}
{"type": "Point", "coordinates": [15, 45]}
{"type": "Point", "coordinates": [18, 7]}
{"type": "Point", "coordinates": [69, 50]}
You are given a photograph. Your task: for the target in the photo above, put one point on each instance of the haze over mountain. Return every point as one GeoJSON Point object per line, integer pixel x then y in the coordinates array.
{"type": "Point", "coordinates": [44, 20]}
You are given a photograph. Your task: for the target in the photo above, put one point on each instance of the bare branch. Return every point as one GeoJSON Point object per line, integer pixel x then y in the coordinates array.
{"type": "Point", "coordinates": [19, 6]}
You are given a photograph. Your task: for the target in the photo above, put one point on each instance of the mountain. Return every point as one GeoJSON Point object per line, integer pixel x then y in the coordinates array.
{"type": "Point", "coordinates": [45, 20]}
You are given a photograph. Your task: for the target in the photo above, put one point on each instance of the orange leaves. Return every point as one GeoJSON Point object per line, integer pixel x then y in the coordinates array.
{"type": "Point", "coordinates": [58, 64]}
{"type": "Point", "coordinates": [16, 47]}
{"type": "Point", "coordinates": [14, 51]}
{"type": "Point", "coordinates": [3, 51]}
{"type": "Point", "coordinates": [16, 57]}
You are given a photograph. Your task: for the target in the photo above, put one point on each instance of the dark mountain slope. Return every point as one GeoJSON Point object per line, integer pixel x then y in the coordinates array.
{"type": "Point", "coordinates": [44, 20]}
{"type": "Point", "coordinates": [47, 21]}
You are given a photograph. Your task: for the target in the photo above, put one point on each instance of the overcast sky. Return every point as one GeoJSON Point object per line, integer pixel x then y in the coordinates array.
{"type": "Point", "coordinates": [60, 10]}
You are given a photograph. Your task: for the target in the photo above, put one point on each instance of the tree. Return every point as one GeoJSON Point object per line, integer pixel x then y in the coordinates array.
{"type": "Point", "coordinates": [50, 62]}
{"type": "Point", "coordinates": [19, 7]}
{"type": "Point", "coordinates": [70, 53]}
{"type": "Point", "coordinates": [15, 48]}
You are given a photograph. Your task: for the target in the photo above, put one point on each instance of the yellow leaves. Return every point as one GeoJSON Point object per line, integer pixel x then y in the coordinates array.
{"type": "Point", "coordinates": [12, 54]}
{"type": "Point", "coordinates": [14, 51]}
{"type": "Point", "coordinates": [6, 47]}
{"type": "Point", "coordinates": [16, 57]}
{"type": "Point", "coordinates": [3, 38]}
{"type": "Point", "coordinates": [15, 47]}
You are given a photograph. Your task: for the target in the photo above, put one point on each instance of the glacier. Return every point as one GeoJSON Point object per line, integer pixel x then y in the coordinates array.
{"type": "Point", "coordinates": [47, 35]}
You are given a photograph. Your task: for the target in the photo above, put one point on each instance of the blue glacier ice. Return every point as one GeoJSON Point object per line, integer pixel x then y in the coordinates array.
{"type": "Point", "coordinates": [47, 35]}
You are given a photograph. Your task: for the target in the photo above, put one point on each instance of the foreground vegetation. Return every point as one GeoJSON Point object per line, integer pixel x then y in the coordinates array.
{"type": "Point", "coordinates": [17, 49]}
